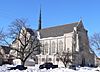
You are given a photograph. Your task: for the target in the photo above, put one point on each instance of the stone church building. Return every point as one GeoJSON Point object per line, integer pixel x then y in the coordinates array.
{"type": "Point", "coordinates": [71, 37]}
{"type": "Point", "coordinates": [58, 39]}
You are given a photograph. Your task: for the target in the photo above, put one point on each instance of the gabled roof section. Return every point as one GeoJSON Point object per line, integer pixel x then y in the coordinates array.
{"type": "Point", "coordinates": [80, 26]}
{"type": "Point", "coordinates": [57, 30]}
{"type": "Point", "coordinates": [6, 49]}
{"type": "Point", "coordinates": [30, 31]}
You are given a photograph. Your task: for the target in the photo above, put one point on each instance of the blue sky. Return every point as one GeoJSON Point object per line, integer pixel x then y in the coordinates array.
{"type": "Point", "coordinates": [54, 12]}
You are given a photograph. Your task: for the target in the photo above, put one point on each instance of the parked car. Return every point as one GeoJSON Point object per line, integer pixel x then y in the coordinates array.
{"type": "Point", "coordinates": [72, 67]}
{"type": "Point", "coordinates": [20, 67]}
{"type": "Point", "coordinates": [48, 66]}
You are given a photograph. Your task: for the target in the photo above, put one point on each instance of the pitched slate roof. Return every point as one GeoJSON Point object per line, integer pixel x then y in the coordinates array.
{"type": "Point", "coordinates": [57, 30]}
{"type": "Point", "coordinates": [30, 31]}
{"type": "Point", "coordinates": [6, 49]}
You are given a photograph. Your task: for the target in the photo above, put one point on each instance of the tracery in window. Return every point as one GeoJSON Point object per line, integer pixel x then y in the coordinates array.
{"type": "Point", "coordinates": [60, 46]}
{"type": "Point", "coordinates": [53, 47]}
{"type": "Point", "coordinates": [46, 48]}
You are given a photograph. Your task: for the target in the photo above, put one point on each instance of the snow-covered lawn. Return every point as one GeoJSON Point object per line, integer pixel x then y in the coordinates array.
{"type": "Point", "coordinates": [36, 69]}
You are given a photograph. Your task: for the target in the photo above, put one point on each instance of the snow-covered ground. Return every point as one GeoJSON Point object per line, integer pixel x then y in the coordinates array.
{"type": "Point", "coordinates": [36, 69]}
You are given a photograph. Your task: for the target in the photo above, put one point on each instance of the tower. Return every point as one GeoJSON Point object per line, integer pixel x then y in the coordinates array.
{"type": "Point", "coordinates": [39, 26]}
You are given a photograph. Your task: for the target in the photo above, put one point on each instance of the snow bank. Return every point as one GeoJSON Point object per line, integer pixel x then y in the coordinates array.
{"type": "Point", "coordinates": [36, 69]}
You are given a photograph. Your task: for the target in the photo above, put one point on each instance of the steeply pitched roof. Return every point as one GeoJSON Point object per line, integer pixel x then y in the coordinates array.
{"type": "Point", "coordinates": [30, 31]}
{"type": "Point", "coordinates": [57, 30]}
{"type": "Point", "coordinates": [6, 49]}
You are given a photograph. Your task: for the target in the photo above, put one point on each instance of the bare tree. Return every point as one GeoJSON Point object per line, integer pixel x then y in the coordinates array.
{"type": "Point", "coordinates": [13, 31]}
{"type": "Point", "coordinates": [1, 36]}
{"type": "Point", "coordinates": [25, 41]}
{"type": "Point", "coordinates": [65, 57]}
{"type": "Point", "coordinates": [16, 26]}
{"type": "Point", "coordinates": [95, 41]}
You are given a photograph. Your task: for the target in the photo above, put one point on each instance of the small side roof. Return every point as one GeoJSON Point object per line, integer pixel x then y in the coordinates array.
{"type": "Point", "coordinates": [6, 49]}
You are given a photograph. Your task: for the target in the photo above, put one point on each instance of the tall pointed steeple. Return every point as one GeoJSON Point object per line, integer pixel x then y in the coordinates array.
{"type": "Point", "coordinates": [40, 26]}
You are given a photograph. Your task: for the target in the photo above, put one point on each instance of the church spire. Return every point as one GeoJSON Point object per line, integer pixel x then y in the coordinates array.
{"type": "Point", "coordinates": [39, 26]}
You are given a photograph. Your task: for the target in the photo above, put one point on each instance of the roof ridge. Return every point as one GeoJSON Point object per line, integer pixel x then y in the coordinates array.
{"type": "Point", "coordinates": [60, 25]}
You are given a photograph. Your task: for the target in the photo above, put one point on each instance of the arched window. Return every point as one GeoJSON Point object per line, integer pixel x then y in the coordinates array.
{"type": "Point", "coordinates": [60, 49]}
{"type": "Point", "coordinates": [50, 51]}
{"type": "Point", "coordinates": [53, 47]}
{"type": "Point", "coordinates": [46, 48]}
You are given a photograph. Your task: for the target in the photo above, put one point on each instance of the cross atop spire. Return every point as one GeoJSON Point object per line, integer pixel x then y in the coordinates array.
{"type": "Point", "coordinates": [39, 26]}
